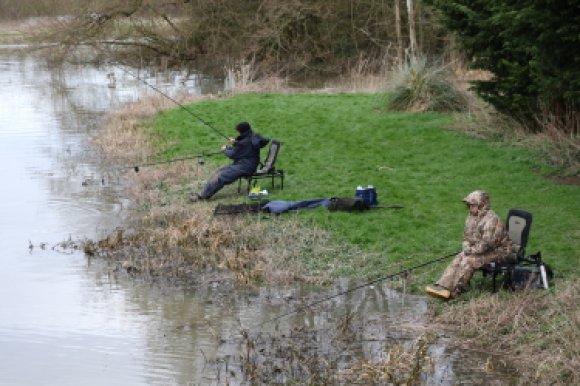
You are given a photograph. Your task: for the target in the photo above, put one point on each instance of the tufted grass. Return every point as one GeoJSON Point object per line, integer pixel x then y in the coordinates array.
{"type": "Point", "coordinates": [422, 86]}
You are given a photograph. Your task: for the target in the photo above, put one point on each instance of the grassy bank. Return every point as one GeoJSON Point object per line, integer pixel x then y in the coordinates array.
{"type": "Point", "coordinates": [332, 143]}
{"type": "Point", "coordinates": [12, 33]}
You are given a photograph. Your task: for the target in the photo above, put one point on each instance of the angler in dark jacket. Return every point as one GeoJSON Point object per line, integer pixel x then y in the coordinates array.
{"type": "Point", "coordinates": [244, 150]}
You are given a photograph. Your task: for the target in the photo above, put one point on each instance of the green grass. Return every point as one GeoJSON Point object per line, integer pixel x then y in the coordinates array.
{"type": "Point", "coordinates": [332, 143]}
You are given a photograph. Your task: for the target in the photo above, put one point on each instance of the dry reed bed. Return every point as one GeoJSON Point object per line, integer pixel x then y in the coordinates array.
{"type": "Point", "coordinates": [297, 356]}
{"type": "Point", "coordinates": [537, 330]}
{"type": "Point", "coordinates": [559, 149]}
{"type": "Point", "coordinates": [402, 366]}
{"type": "Point", "coordinates": [123, 137]}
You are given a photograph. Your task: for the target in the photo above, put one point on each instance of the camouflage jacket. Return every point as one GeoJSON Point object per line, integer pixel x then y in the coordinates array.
{"type": "Point", "coordinates": [484, 232]}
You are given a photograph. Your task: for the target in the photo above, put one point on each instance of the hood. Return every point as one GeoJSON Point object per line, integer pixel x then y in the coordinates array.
{"type": "Point", "coordinates": [243, 127]}
{"type": "Point", "coordinates": [480, 198]}
{"type": "Point", "coordinates": [258, 141]}
{"type": "Point", "coordinates": [245, 134]}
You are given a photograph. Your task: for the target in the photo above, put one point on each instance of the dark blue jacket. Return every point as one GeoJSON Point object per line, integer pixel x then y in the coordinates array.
{"type": "Point", "coordinates": [246, 150]}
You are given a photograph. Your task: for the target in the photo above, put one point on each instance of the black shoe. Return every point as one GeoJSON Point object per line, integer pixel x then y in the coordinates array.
{"type": "Point", "coordinates": [195, 197]}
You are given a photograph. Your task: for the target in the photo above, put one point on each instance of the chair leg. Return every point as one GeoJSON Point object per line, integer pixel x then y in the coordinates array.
{"type": "Point", "coordinates": [509, 279]}
{"type": "Point", "coordinates": [251, 183]}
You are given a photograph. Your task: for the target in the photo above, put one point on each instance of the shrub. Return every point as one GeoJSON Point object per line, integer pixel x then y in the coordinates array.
{"type": "Point", "coordinates": [420, 87]}
{"type": "Point", "coordinates": [530, 47]}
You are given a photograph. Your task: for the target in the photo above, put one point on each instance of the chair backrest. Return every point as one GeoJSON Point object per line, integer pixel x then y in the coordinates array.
{"type": "Point", "coordinates": [270, 161]}
{"type": "Point", "coordinates": [518, 225]}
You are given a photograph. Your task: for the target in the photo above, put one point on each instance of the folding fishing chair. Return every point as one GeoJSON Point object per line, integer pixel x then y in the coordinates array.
{"type": "Point", "coordinates": [522, 268]}
{"type": "Point", "coordinates": [267, 169]}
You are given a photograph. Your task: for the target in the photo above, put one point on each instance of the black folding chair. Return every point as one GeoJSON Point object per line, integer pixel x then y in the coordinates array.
{"type": "Point", "coordinates": [518, 225]}
{"type": "Point", "coordinates": [267, 169]}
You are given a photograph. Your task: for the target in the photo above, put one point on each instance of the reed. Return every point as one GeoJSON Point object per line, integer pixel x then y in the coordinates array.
{"type": "Point", "coordinates": [537, 330]}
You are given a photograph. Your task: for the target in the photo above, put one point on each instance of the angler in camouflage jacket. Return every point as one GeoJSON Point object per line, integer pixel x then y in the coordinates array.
{"type": "Point", "coordinates": [485, 240]}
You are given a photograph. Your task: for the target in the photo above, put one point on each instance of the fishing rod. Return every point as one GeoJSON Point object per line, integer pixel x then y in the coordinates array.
{"type": "Point", "coordinates": [173, 100]}
{"type": "Point", "coordinates": [401, 272]}
{"type": "Point", "coordinates": [136, 167]}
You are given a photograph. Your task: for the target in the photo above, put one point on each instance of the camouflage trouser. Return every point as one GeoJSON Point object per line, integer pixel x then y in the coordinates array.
{"type": "Point", "coordinates": [457, 275]}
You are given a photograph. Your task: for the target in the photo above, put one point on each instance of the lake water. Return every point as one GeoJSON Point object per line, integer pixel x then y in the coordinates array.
{"type": "Point", "coordinates": [66, 319]}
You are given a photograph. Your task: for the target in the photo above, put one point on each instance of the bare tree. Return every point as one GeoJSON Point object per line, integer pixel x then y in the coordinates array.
{"type": "Point", "coordinates": [412, 33]}
{"type": "Point", "coordinates": [399, 34]}
{"type": "Point", "coordinates": [282, 37]}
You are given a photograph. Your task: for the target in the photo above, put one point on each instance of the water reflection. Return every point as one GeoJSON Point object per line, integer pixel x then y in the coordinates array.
{"type": "Point", "coordinates": [69, 320]}
{"type": "Point", "coordinates": [62, 321]}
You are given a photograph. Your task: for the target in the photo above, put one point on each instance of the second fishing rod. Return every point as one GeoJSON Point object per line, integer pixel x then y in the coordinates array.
{"type": "Point", "coordinates": [185, 108]}
{"type": "Point", "coordinates": [136, 168]}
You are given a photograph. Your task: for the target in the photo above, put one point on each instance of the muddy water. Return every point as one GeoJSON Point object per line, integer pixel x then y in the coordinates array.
{"type": "Point", "coordinates": [69, 320]}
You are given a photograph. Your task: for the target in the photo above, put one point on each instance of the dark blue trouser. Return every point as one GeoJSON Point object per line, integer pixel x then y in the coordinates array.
{"type": "Point", "coordinates": [224, 176]}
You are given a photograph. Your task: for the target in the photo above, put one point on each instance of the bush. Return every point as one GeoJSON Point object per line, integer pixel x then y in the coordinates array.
{"type": "Point", "coordinates": [419, 87]}
{"type": "Point", "coordinates": [530, 47]}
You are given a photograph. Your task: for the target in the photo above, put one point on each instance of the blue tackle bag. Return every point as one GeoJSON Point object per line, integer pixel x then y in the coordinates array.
{"type": "Point", "coordinates": [368, 195]}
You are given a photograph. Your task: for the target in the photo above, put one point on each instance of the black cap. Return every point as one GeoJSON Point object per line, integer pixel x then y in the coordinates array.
{"type": "Point", "coordinates": [242, 127]}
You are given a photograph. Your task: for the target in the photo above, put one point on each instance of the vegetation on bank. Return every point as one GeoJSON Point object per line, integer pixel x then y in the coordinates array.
{"type": "Point", "coordinates": [333, 143]}
{"type": "Point", "coordinates": [14, 33]}
{"type": "Point", "coordinates": [537, 330]}
{"type": "Point", "coordinates": [532, 49]}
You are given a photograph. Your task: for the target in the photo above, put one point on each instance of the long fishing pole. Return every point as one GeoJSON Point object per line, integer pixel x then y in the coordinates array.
{"type": "Point", "coordinates": [174, 101]}
{"type": "Point", "coordinates": [401, 272]}
{"type": "Point", "coordinates": [136, 167]}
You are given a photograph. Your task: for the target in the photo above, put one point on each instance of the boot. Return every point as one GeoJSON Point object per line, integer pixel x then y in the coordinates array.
{"type": "Point", "coordinates": [438, 291]}
{"type": "Point", "coordinates": [195, 197]}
